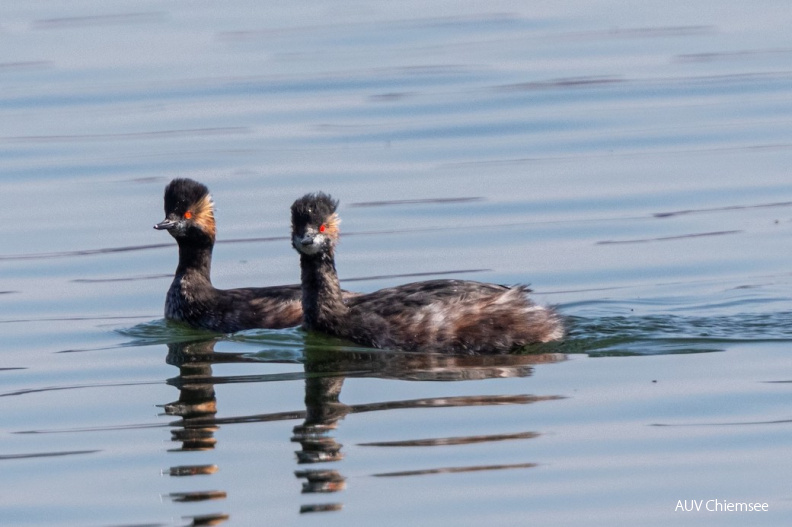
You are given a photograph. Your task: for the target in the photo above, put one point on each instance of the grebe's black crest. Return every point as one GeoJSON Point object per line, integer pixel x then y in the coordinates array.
{"type": "Point", "coordinates": [183, 193]}
{"type": "Point", "coordinates": [188, 204]}
{"type": "Point", "coordinates": [452, 316]}
{"type": "Point", "coordinates": [313, 209]}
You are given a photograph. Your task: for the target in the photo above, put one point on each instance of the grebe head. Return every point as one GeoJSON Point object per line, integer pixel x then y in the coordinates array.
{"type": "Point", "coordinates": [314, 224]}
{"type": "Point", "coordinates": [188, 209]}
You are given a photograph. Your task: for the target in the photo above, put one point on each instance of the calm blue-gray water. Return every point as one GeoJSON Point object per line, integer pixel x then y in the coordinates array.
{"type": "Point", "coordinates": [628, 160]}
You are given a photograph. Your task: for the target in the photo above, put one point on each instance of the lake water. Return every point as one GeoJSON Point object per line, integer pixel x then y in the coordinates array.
{"type": "Point", "coordinates": [630, 161]}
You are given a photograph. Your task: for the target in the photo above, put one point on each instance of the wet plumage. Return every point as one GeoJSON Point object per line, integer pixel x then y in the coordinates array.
{"type": "Point", "coordinates": [453, 316]}
{"type": "Point", "coordinates": [192, 299]}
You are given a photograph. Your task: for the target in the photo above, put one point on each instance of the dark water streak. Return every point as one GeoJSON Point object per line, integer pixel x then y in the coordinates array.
{"type": "Point", "coordinates": [47, 454]}
{"type": "Point", "coordinates": [454, 470]}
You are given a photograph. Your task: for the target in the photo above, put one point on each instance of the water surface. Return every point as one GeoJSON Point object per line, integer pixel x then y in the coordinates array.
{"type": "Point", "coordinates": [630, 164]}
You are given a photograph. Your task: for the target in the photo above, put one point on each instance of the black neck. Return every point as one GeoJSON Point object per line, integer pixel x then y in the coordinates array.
{"type": "Point", "coordinates": [322, 300]}
{"type": "Point", "coordinates": [195, 257]}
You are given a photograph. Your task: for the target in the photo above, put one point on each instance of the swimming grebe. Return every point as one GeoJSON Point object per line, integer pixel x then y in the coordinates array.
{"type": "Point", "coordinates": [191, 299]}
{"type": "Point", "coordinates": [453, 316]}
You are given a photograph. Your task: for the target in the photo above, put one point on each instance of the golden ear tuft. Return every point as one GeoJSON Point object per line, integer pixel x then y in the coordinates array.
{"type": "Point", "coordinates": [331, 226]}
{"type": "Point", "coordinates": [204, 215]}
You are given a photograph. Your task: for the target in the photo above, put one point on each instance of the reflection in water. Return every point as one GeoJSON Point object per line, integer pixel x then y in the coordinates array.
{"type": "Point", "coordinates": [203, 495]}
{"type": "Point", "coordinates": [207, 519]}
{"type": "Point", "coordinates": [322, 413]}
{"type": "Point", "coordinates": [324, 409]}
{"type": "Point", "coordinates": [196, 400]}
{"type": "Point", "coordinates": [192, 470]}
{"type": "Point", "coordinates": [324, 371]}
{"type": "Point", "coordinates": [196, 394]}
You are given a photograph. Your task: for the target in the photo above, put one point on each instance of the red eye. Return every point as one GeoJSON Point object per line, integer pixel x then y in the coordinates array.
{"type": "Point", "coordinates": [322, 227]}
{"type": "Point", "coordinates": [187, 215]}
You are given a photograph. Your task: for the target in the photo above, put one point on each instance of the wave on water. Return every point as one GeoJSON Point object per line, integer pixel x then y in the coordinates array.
{"type": "Point", "coordinates": [161, 331]}
{"type": "Point", "coordinates": [666, 334]}
{"type": "Point", "coordinates": [257, 344]}
{"type": "Point", "coordinates": [654, 334]}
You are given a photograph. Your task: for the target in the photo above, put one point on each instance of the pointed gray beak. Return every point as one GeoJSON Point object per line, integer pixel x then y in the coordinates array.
{"type": "Point", "coordinates": [165, 225]}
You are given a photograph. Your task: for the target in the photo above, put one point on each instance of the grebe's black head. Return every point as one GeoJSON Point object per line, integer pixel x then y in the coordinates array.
{"type": "Point", "coordinates": [189, 210]}
{"type": "Point", "coordinates": [314, 224]}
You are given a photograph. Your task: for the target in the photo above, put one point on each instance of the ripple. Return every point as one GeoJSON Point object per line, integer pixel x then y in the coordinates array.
{"type": "Point", "coordinates": [414, 201]}
{"type": "Point", "coordinates": [666, 334]}
{"type": "Point", "coordinates": [669, 238]}
{"type": "Point", "coordinates": [623, 334]}
{"type": "Point", "coordinates": [445, 441]}
{"type": "Point", "coordinates": [99, 20]}
{"type": "Point", "coordinates": [452, 470]}
{"type": "Point", "coordinates": [162, 331]}
{"type": "Point", "coordinates": [47, 454]}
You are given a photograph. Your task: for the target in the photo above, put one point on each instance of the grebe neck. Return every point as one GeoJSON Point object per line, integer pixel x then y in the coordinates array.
{"type": "Point", "coordinates": [195, 259]}
{"type": "Point", "coordinates": [322, 301]}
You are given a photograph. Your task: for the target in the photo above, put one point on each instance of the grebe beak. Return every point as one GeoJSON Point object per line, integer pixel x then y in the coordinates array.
{"type": "Point", "coordinates": [307, 243]}
{"type": "Point", "coordinates": [165, 225]}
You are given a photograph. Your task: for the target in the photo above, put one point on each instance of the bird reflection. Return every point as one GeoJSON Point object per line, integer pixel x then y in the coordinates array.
{"type": "Point", "coordinates": [197, 407]}
{"type": "Point", "coordinates": [196, 394]}
{"type": "Point", "coordinates": [324, 409]}
{"type": "Point", "coordinates": [324, 372]}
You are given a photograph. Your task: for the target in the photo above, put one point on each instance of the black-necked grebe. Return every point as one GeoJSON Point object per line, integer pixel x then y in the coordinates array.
{"type": "Point", "coordinates": [452, 316]}
{"type": "Point", "coordinates": [191, 299]}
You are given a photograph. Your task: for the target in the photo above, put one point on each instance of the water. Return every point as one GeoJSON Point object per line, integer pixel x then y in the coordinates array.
{"type": "Point", "coordinates": [631, 163]}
